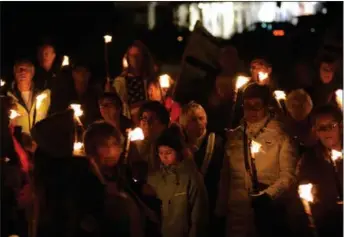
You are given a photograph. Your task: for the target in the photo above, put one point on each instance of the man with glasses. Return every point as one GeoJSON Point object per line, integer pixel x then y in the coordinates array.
{"type": "Point", "coordinates": [257, 172]}
{"type": "Point", "coordinates": [317, 167]}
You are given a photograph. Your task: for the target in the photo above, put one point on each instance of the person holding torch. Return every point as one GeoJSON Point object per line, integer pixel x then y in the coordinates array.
{"type": "Point", "coordinates": [322, 165]}
{"type": "Point", "coordinates": [258, 171]}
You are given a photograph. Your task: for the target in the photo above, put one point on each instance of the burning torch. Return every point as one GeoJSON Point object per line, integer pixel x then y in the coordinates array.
{"type": "Point", "coordinates": [107, 40]}
{"type": "Point", "coordinates": [262, 77]}
{"type": "Point", "coordinates": [133, 135]}
{"type": "Point", "coordinates": [164, 85]}
{"type": "Point", "coordinates": [335, 156]}
{"type": "Point", "coordinates": [254, 149]}
{"type": "Point", "coordinates": [339, 98]}
{"type": "Point", "coordinates": [280, 97]}
{"type": "Point", "coordinates": [65, 61]}
{"type": "Point", "coordinates": [78, 146]}
{"type": "Point", "coordinates": [2, 83]}
{"type": "Point", "coordinates": [305, 193]}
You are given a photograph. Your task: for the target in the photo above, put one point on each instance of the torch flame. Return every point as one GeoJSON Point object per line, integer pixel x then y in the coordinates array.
{"type": "Point", "coordinates": [241, 81]}
{"type": "Point", "coordinates": [13, 114]}
{"type": "Point", "coordinates": [164, 81]}
{"type": "Point", "coordinates": [305, 192]}
{"type": "Point", "coordinates": [77, 110]}
{"type": "Point", "coordinates": [2, 83]}
{"type": "Point", "coordinates": [136, 135]}
{"type": "Point", "coordinates": [78, 146]}
{"type": "Point", "coordinates": [280, 95]}
{"type": "Point", "coordinates": [336, 155]}
{"type": "Point", "coordinates": [125, 63]}
{"type": "Point", "coordinates": [39, 99]}
{"type": "Point", "coordinates": [65, 61]}
{"type": "Point", "coordinates": [262, 76]}
{"type": "Point", "coordinates": [255, 148]}
{"type": "Point", "coordinates": [339, 97]}
{"type": "Point", "coordinates": [107, 38]}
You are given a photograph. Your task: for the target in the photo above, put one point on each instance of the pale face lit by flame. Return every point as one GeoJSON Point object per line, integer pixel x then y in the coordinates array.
{"type": "Point", "coordinates": [107, 38]}
{"type": "Point", "coordinates": [39, 100]}
{"type": "Point", "coordinates": [280, 95]}
{"type": "Point", "coordinates": [241, 81]}
{"type": "Point", "coordinates": [255, 148]}
{"type": "Point", "coordinates": [65, 61]}
{"type": "Point", "coordinates": [13, 114]}
{"type": "Point", "coordinates": [336, 155]}
{"type": "Point", "coordinates": [2, 83]}
{"type": "Point", "coordinates": [262, 76]}
{"type": "Point", "coordinates": [77, 110]}
{"type": "Point", "coordinates": [339, 97]}
{"type": "Point", "coordinates": [136, 135]}
{"type": "Point", "coordinates": [305, 192]}
{"type": "Point", "coordinates": [164, 81]}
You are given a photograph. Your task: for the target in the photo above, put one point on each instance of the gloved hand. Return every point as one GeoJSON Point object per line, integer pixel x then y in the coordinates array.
{"type": "Point", "coordinates": [260, 200]}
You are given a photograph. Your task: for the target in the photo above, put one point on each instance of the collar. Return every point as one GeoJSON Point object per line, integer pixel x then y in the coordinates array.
{"type": "Point", "coordinates": [253, 129]}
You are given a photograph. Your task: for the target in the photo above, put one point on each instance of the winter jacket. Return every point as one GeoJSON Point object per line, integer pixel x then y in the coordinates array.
{"type": "Point", "coordinates": [28, 117]}
{"type": "Point", "coordinates": [184, 200]}
{"type": "Point", "coordinates": [275, 164]}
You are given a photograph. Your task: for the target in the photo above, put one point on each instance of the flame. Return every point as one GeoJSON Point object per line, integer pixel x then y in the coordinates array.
{"type": "Point", "coordinates": [125, 63]}
{"type": "Point", "coordinates": [280, 95]}
{"type": "Point", "coordinates": [262, 76]}
{"type": "Point", "coordinates": [77, 110]}
{"type": "Point", "coordinates": [241, 81]}
{"type": "Point", "coordinates": [339, 97]}
{"type": "Point", "coordinates": [164, 81]}
{"type": "Point", "coordinates": [65, 61]}
{"type": "Point", "coordinates": [305, 192]}
{"type": "Point", "coordinates": [78, 146]}
{"type": "Point", "coordinates": [39, 99]}
{"type": "Point", "coordinates": [336, 155]}
{"type": "Point", "coordinates": [2, 83]}
{"type": "Point", "coordinates": [107, 38]}
{"type": "Point", "coordinates": [136, 135]}
{"type": "Point", "coordinates": [255, 148]}
{"type": "Point", "coordinates": [13, 114]}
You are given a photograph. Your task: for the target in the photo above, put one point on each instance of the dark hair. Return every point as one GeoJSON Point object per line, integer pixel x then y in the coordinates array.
{"type": "Point", "coordinates": [96, 134]}
{"type": "Point", "coordinates": [255, 90]}
{"type": "Point", "coordinates": [23, 61]}
{"type": "Point", "coordinates": [261, 60]}
{"type": "Point", "coordinates": [328, 109]}
{"type": "Point", "coordinates": [172, 137]}
{"type": "Point", "coordinates": [156, 107]}
{"type": "Point", "coordinates": [113, 97]}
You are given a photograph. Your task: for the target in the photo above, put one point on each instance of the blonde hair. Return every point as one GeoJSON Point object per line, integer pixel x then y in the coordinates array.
{"type": "Point", "coordinates": [301, 96]}
{"type": "Point", "coordinates": [187, 110]}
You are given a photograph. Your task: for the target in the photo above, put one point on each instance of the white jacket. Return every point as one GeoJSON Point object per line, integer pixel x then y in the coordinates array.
{"type": "Point", "coordinates": [275, 164]}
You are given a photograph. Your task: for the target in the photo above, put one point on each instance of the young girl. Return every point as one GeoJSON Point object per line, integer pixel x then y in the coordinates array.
{"type": "Point", "coordinates": [180, 188]}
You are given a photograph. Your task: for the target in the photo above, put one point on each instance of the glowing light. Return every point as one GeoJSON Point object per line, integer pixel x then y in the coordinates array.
{"type": "Point", "coordinates": [77, 110]}
{"type": "Point", "coordinates": [339, 98]}
{"type": "Point", "coordinates": [278, 33]}
{"type": "Point", "coordinates": [136, 135]}
{"type": "Point", "coordinates": [107, 38]}
{"type": "Point", "coordinates": [280, 95]}
{"type": "Point", "coordinates": [125, 62]}
{"type": "Point", "coordinates": [65, 61]}
{"type": "Point", "coordinates": [39, 100]}
{"type": "Point", "coordinates": [241, 81]}
{"type": "Point", "coordinates": [78, 148]}
{"type": "Point", "coordinates": [305, 192]}
{"type": "Point", "coordinates": [13, 114]}
{"type": "Point", "coordinates": [2, 83]}
{"type": "Point", "coordinates": [180, 38]}
{"type": "Point", "coordinates": [262, 76]}
{"type": "Point", "coordinates": [164, 81]}
{"type": "Point", "coordinates": [336, 155]}
{"type": "Point", "coordinates": [255, 148]}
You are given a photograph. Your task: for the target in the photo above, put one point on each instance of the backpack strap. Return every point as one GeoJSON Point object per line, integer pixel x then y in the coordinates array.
{"type": "Point", "coordinates": [208, 153]}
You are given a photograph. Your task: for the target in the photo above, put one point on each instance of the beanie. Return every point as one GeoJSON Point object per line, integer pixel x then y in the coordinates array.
{"type": "Point", "coordinates": [171, 137]}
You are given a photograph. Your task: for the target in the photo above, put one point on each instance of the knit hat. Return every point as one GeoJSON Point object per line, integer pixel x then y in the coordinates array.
{"type": "Point", "coordinates": [55, 134]}
{"type": "Point", "coordinates": [171, 137]}
{"type": "Point", "coordinates": [258, 91]}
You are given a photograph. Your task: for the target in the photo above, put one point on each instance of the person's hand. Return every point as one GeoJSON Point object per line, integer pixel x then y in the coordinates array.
{"type": "Point", "coordinates": [25, 198]}
{"type": "Point", "coordinates": [262, 199]}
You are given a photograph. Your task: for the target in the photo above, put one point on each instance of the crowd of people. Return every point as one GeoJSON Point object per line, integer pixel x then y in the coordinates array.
{"type": "Point", "coordinates": [231, 167]}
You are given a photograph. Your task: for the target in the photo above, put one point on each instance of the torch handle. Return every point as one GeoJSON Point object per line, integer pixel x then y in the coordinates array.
{"type": "Point", "coordinates": [106, 58]}
{"type": "Point", "coordinates": [338, 186]}
{"type": "Point", "coordinates": [308, 211]}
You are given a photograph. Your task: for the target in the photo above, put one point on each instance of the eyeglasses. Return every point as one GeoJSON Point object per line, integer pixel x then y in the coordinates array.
{"type": "Point", "coordinates": [325, 128]}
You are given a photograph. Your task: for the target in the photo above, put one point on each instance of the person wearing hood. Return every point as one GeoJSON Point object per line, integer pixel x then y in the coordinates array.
{"type": "Point", "coordinates": [31, 103]}
{"type": "Point", "coordinates": [132, 84]}
{"type": "Point", "coordinates": [51, 75]}
{"type": "Point", "coordinates": [258, 171]}
{"type": "Point", "coordinates": [180, 187]}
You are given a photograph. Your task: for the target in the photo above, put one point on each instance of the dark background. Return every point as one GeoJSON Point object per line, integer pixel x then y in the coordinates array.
{"type": "Point", "coordinates": [77, 29]}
